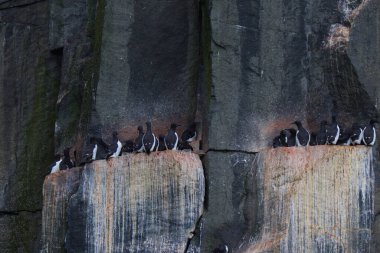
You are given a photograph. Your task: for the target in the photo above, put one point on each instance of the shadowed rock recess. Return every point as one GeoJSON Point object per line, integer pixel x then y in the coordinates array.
{"type": "Point", "coordinates": [134, 203]}
{"type": "Point", "coordinates": [316, 199]}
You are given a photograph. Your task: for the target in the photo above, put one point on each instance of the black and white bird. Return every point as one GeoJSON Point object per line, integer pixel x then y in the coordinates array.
{"type": "Point", "coordinates": [54, 167]}
{"type": "Point", "coordinates": [333, 132]}
{"type": "Point", "coordinates": [149, 139]}
{"type": "Point", "coordinates": [288, 137]}
{"type": "Point", "coordinates": [313, 139]}
{"type": "Point", "coordinates": [138, 146]}
{"type": "Point", "coordinates": [171, 139]}
{"type": "Point", "coordinates": [157, 145]}
{"type": "Point", "coordinates": [221, 249]}
{"type": "Point", "coordinates": [115, 146]}
{"type": "Point", "coordinates": [190, 134]}
{"type": "Point", "coordinates": [356, 134]}
{"type": "Point", "coordinates": [302, 135]}
{"type": "Point", "coordinates": [276, 142]}
{"type": "Point", "coordinates": [95, 148]}
{"type": "Point", "coordinates": [344, 138]}
{"type": "Point", "coordinates": [66, 163]}
{"type": "Point", "coordinates": [321, 136]}
{"type": "Point", "coordinates": [369, 133]}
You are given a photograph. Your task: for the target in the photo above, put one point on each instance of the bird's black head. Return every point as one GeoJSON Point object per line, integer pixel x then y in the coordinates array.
{"type": "Point", "coordinates": [173, 126]}
{"type": "Point", "coordinates": [57, 157]}
{"type": "Point", "coordinates": [114, 134]}
{"type": "Point", "coordinates": [92, 140]}
{"type": "Point", "coordinates": [333, 119]}
{"type": "Point", "coordinates": [323, 123]}
{"type": "Point", "coordinates": [161, 137]}
{"type": "Point", "coordinates": [297, 123]}
{"type": "Point", "coordinates": [66, 152]}
{"type": "Point", "coordinates": [148, 124]}
{"type": "Point", "coordinates": [373, 121]}
{"type": "Point", "coordinates": [140, 129]}
{"type": "Point", "coordinates": [193, 126]}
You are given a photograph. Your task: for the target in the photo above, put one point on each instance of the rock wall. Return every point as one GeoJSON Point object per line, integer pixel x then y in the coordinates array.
{"type": "Point", "coordinates": [318, 199]}
{"type": "Point", "coordinates": [245, 69]}
{"type": "Point", "coordinates": [134, 203]}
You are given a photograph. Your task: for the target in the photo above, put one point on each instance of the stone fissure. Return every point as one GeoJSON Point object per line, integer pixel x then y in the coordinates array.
{"type": "Point", "coordinates": [20, 5]}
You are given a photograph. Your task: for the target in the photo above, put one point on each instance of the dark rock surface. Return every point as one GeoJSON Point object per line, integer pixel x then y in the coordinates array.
{"type": "Point", "coordinates": [149, 66]}
{"type": "Point", "coordinates": [232, 195]}
{"type": "Point", "coordinates": [29, 86]}
{"type": "Point", "coordinates": [70, 69]}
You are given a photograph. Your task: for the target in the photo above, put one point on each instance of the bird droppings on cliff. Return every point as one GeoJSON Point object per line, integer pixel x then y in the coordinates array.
{"type": "Point", "coordinates": [221, 249]}
{"type": "Point", "coordinates": [149, 139]}
{"type": "Point", "coordinates": [302, 135]}
{"type": "Point", "coordinates": [66, 163]}
{"type": "Point", "coordinates": [171, 139]}
{"type": "Point", "coordinates": [369, 133]}
{"type": "Point", "coordinates": [54, 167]}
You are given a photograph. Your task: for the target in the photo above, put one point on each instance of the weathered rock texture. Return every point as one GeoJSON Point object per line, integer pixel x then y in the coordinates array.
{"type": "Point", "coordinates": [134, 203]}
{"type": "Point", "coordinates": [57, 191]}
{"type": "Point", "coordinates": [149, 66]}
{"type": "Point", "coordinates": [317, 199]}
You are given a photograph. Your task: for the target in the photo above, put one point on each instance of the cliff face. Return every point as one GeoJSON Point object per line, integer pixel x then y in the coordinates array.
{"type": "Point", "coordinates": [318, 199]}
{"type": "Point", "coordinates": [243, 69]}
{"type": "Point", "coordinates": [134, 203]}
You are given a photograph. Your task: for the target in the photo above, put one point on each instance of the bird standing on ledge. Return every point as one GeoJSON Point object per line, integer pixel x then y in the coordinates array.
{"type": "Point", "coordinates": [333, 132]}
{"type": "Point", "coordinates": [115, 147]}
{"type": "Point", "coordinates": [139, 147]}
{"type": "Point", "coordinates": [369, 135]}
{"type": "Point", "coordinates": [302, 135]}
{"type": "Point", "coordinates": [54, 167]}
{"type": "Point", "coordinates": [171, 139]}
{"type": "Point", "coordinates": [149, 139]}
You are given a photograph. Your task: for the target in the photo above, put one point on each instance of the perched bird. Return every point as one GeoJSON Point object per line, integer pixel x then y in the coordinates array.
{"type": "Point", "coordinates": [161, 143]}
{"type": "Point", "coordinates": [302, 135]}
{"type": "Point", "coordinates": [333, 132]}
{"type": "Point", "coordinates": [277, 142]}
{"type": "Point", "coordinates": [313, 139]}
{"type": "Point", "coordinates": [128, 147]}
{"type": "Point", "coordinates": [171, 139]}
{"type": "Point", "coordinates": [190, 134]}
{"type": "Point", "coordinates": [66, 163]}
{"type": "Point", "coordinates": [356, 134]}
{"type": "Point", "coordinates": [369, 135]}
{"type": "Point", "coordinates": [54, 167]}
{"type": "Point", "coordinates": [221, 249]}
{"type": "Point", "coordinates": [115, 147]}
{"type": "Point", "coordinates": [344, 138]}
{"type": "Point", "coordinates": [288, 137]}
{"type": "Point", "coordinates": [156, 146]}
{"type": "Point", "coordinates": [321, 137]}
{"type": "Point", "coordinates": [93, 149]}
{"type": "Point", "coordinates": [149, 139]}
{"type": "Point", "coordinates": [138, 146]}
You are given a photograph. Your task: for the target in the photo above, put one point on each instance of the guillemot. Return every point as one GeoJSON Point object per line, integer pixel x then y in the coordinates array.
{"type": "Point", "coordinates": [138, 146]}
{"type": "Point", "coordinates": [66, 163]}
{"type": "Point", "coordinates": [189, 134]}
{"type": "Point", "coordinates": [149, 139]}
{"type": "Point", "coordinates": [369, 133]}
{"type": "Point", "coordinates": [321, 137]}
{"type": "Point", "coordinates": [171, 139]}
{"type": "Point", "coordinates": [54, 167]}
{"type": "Point", "coordinates": [115, 147]}
{"type": "Point", "coordinates": [333, 132]}
{"type": "Point", "coordinates": [357, 134]}
{"type": "Point", "coordinates": [302, 135]}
